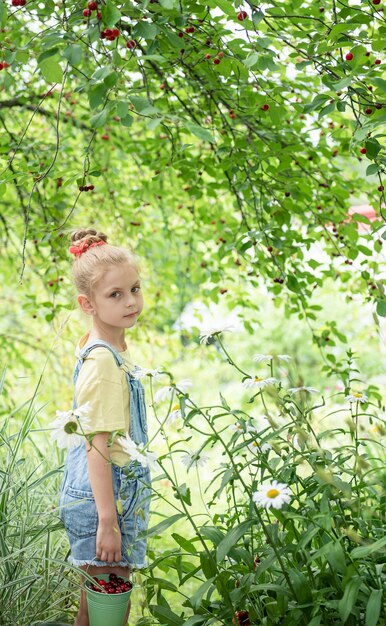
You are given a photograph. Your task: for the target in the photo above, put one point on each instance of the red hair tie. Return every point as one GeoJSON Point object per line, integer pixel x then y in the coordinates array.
{"type": "Point", "coordinates": [78, 250]}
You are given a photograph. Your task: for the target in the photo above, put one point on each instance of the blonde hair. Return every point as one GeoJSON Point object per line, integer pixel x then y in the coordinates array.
{"type": "Point", "coordinates": [90, 266]}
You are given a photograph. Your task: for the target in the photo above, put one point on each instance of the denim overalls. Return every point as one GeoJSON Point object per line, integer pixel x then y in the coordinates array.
{"type": "Point", "coordinates": [131, 483]}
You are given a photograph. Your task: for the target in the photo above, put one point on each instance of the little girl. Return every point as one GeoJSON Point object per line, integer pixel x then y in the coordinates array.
{"type": "Point", "coordinates": [105, 497]}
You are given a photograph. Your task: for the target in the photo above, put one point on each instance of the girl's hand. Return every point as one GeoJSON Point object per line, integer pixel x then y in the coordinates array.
{"type": "Point", "coordinates": [108, 542]}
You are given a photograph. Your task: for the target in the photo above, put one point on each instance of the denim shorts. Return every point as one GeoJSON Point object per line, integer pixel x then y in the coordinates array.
{"type": "Point", "coordinates": [79, 515]}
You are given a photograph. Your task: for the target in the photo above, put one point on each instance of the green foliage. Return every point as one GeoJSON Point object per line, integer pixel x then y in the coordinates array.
{"type": "Point", "coordinates": [243, 165]}
{"type": "Point", "coordinates": [318, 559]}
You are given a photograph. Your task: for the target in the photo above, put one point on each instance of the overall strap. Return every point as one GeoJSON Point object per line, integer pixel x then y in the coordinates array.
{"type": "Point", "coordinates": [98, 343]}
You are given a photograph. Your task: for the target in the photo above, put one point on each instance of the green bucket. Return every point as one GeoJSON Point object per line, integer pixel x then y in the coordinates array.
{"type": "Point", "coordinates": [107, 608]}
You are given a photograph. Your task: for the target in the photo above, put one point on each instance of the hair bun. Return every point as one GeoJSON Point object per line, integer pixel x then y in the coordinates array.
{"type": "Point", "coordinates": [89, 235]}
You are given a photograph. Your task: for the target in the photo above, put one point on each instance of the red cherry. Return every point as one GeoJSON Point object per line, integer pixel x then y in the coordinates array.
{"type": "Point", "coordinates": [105, 137]}
{"type": "Point", "coordinates": [381, 188]}
{"type": "Point", "coordinates": [115, 32]}
{"type": "Point", "coordinates": [108, 32]}
{"type": "Point", "coordinates": [270, 249]}
{"type": "Point", "coordinates": [349, 56]}
{"type": "Point", "coordinates": [15, 3]}
{"type": "Point", "coordinates": [376, 1]}
{"type": "Point", "coordinates": [5, 64]}
{"type": "Point", "coordinates": [92, 6]}
{"type": "Point", "coordinates": [242, 16]}
{"type": "Point", "coordinates": [190, 29]}
{"type": "Point", "coordinates": [216, 61]}
{"type": "Point", "coordinates": [368, 111]}
{"type": "Point", "coordinates": [131, 44]}
{"type": "Point", "coordinates": [321, 9]}
{"type": "Point", "coordinates": [86, 12]}
{"type": "Point", "coordinates": [99, 15]}
{"type": "Point", "coordinates": [377, 106]}
{"type": "Point", "coordinates": [22, 3]}
{"type": "Point", "coordinates": [363, 150]}
{"type": "Point", "coordinates": [208, 56]}
{"type": "Point", "coordinates": [180, 34]}
{"type": "Point", "coordinates": [265, 107]}
{"type": "Point", "coordinates": [377, 62]}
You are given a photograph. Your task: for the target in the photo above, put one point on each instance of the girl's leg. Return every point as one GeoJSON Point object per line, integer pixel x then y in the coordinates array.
{"type": "Point", "coordinates": [94, 570]}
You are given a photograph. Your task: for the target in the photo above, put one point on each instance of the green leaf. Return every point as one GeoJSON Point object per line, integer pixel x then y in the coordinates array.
{"type": "Point", "coordinates": [147, 31]}
{"type": "Point", "coordinates": [159, 528]}
{"type": "Point", "coordinates": [257, 16]}
{"type": "Point", "coordinates": [110, 14]}
{"type": "Point", "coordinates": [143, 105]}
{"type": "Point", "coordinates": [231, 538]}
{"type": "Point", "coordinates": [315, 621]}
{"type": "Point", "coordinates": [127, 121]}
{"type": "Point", "coordinates": [102, 72]}
{"type": "Point", "coordinates": [194, 620]}
{"type": "Point", "coordinates": [373, 608]}
{"type": "Point", "coordinates": [195, 599]}
{"type": "Point", "coordinates": [168, 4]}
{"type": "Point", "coordinates": [51, 70]}
{"type": "Point", "coordinates": [73, 54]}
{"type": "Point", "coordinates": [165, 615]}
{"type": "Point", "coordinates": [363, 551]}
{"type": "Point", "coordinates": [347, 602]}
{"type": "Point", "coordinates": [184, 543]}
{"type": "Point", "coordinates": [208, 565]}
{"type": "Point", "coordinates": [199, 132]}
{"type": "Point", "coordinates": [122, 108]}
{"type": "Point", "coordinates": [380, 83]}
{"type": "Point", "coordinates": [212, 533]}
{"type": "Point", "coordinates": [372, 169]}
{"type": "Point", "coordinates": [251, 60]}
{"type": "Point", "coordinates": [97, 95]}
{"type": "Point", "coordinates": [99, 119]}
{"type": "Point", "coordinates": [3, 14]}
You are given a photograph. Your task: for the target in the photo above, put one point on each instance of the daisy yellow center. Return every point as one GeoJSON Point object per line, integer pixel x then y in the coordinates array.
{"type": "Point", "coordinates": [272, 493]}
{"type": "Point", "coordinates": [255, 444]}
{"type": "Point", "coordinates": [70, 428]}
{"type": "Point", "coordinates": [357, 394]}
{"type": "Point", "coordinates": [258, 379]}
{"type": "Point", "coordinates": [176, 407]}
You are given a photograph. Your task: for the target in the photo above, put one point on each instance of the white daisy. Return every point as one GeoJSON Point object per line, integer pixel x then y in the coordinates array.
{"type": "Point", "coordinates": [210, 331]}
{"type": "Point", "coordinates": [128, 445]}
{"type": "Point", "coordinates": [253, 429]}
{"type": "Point", "coordinates": [309, 389]}
{"type": "Point", "coordinates": [357, 396]}
{"type": "Point", "coordinates": [284, 357]}
{"type": "Point", "coordinates": [262, 358]}
{"type": "Point", "coordinates": [194, 458]}
{"type": "Point", "coordinates": [70, 426]}
{"type": "Point", "coordinates": [257, 447]}
{"type": "Point", "coordinates": [142, 372]}
{"type": "Point", "coordinates": [166, 391]}
{"type": "Point", "coordinates": [237, 427]}
{"type": "Point", "coordinates": [258, 382]}
{"type": "Point", "coordinates": [137, 452]}
{"type": "Point", "coordinates": [272, 495]}
{"type": "Point", "coordinates": [174, 414]}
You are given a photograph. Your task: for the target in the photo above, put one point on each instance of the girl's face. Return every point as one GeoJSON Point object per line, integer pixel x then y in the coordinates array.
{"type": "Point", "coordinates": [117, 297]}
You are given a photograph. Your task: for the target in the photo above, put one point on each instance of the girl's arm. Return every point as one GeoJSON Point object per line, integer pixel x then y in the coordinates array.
{"type": "Point", "coordinates": [108, 540]}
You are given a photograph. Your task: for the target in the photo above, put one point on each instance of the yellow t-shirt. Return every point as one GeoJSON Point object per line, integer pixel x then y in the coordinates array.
{"type": "Point", "coordinates": [104, 385]}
